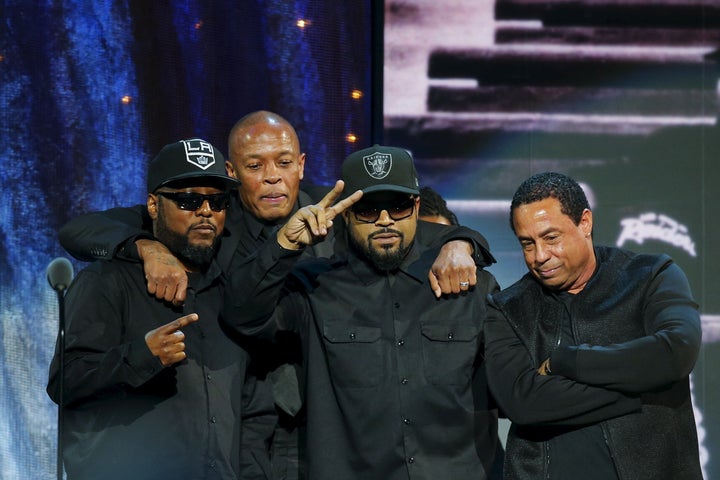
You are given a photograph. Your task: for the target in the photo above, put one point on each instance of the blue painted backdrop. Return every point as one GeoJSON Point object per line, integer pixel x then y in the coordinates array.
{"type": "Point", "coordinates": [90, 91]}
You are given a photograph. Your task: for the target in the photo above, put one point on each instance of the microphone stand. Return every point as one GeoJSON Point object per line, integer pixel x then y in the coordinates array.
{"type": "Point", "coordinates": [59, 275]}
{"type": "Point", "coordinates": [61, 379]}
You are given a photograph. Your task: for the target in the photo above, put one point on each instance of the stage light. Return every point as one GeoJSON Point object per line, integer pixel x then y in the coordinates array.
{"type": "Point", "coordinates": [126, 99]}
{"type": "Point", "coordinates": [302, 23]}
{"type": "Point", "coordinates": [198, 25]}
{"type": "Point", "coordinates": [356, 94]}
{"type": "Point", "coordinates": [351, 138]}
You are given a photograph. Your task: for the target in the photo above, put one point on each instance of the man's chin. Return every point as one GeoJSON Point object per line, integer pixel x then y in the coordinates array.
{"type": "Point", "coordinates": [274, 214]}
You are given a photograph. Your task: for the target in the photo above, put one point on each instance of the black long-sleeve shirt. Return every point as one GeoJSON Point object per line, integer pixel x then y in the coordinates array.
{"type": "Point", "coordinates": [127, 416]}
{"type": "Point", "coordinates": [395, 381]}
{"type": "Point", "coordinates": [635, 337]}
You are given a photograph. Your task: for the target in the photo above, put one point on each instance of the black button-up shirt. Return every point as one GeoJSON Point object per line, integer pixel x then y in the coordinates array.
{"type": "Point", "coordinates": [128, 417]}
{"type": "Point", "coordinates": [395, 382]}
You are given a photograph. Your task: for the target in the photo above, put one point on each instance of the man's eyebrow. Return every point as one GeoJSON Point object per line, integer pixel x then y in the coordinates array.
{"type": "Point", "coordinates": [541, 234]}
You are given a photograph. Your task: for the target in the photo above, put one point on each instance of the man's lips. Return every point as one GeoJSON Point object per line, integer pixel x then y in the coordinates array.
{"type": "Point", "coordinates": [204, 228]}
{"type": "Point", "coordinates": [547, 272]}
{"type": "Point", "coordinates": [274, 197]}
{"type": "Point", "coordinates": [385, 238]}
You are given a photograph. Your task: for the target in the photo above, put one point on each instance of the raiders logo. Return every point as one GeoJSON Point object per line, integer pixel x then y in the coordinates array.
{"type": "Point", "coordinates": [378, 165]}
{"type": "Point", "coordinates": [199, 153]}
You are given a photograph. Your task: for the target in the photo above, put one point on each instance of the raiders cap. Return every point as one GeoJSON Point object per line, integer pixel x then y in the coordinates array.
{"type": "Point", "coordinates": [380, 168]}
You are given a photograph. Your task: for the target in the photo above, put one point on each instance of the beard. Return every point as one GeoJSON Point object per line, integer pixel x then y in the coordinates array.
{"type": "Point", "coordinates": [193, 256]}
{"type": "Point", "coordinates": [385, 259]}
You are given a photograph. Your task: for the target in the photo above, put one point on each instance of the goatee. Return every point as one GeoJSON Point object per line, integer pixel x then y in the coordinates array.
{"type": "Point", "coordinates": [385, 259]}
{"type": "Point", "coordinates": [193, 256]}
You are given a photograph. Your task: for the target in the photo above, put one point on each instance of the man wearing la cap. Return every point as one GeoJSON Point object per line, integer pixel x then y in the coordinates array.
{"type": "Point", "coordinates": [395, 385]}
{"type": "Point", "coordinates": [153, 390]}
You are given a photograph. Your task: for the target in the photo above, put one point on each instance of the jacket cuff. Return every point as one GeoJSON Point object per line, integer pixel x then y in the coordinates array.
{"type": "Point", "coordinates": [563, 361]}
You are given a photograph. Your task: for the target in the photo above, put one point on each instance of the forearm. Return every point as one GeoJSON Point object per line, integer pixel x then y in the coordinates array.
{"type": "Point", "coordinates": [100, 235]}
{"type": "Point", "coordinates": [89, 373]}
{"type": "Point", "coordinates": [97, 355]}
{"type": "Point", "coordinates": [665, 355]}
{"type": "Point", "coordinates": [255, 287]}
{"type": "Point", "coordinates": [436, 235]}
{"type": "Point", "coordinates": [529, 398]}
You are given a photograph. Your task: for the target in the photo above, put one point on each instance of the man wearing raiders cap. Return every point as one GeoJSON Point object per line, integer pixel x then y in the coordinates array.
{"type": "Point", "coordinates": [153, 390]}
{"type": "Point", "coordinates": [394, 377]}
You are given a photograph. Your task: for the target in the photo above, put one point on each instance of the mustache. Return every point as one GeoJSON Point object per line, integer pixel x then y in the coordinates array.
{"type": "Point", "coordinates": [204, 223]}
{"type": "Point", "coordinates": [384, 231]}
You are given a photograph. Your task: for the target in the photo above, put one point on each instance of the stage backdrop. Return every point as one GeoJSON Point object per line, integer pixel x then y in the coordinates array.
{"type": "Point", "coordinates": [91, 90]}
{"type": "Point", "coordinates": [622, 96]}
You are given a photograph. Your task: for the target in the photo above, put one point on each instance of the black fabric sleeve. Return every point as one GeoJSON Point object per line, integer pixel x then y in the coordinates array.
{"type": "Point", "coordinates": [107, 234]}
{"type": "Point", "coordinates": [435, 235]}
{"type": "Point", "coordinates": [98, 359]}
{"type": "Point", "coordinates": [666, 354]}
{"type": "Point", "coordinates": [252, 301]}
{"type": "Point", "coordinates": [529, 398]}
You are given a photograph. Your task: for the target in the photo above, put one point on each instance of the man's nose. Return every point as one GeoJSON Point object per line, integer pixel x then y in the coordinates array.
{"type": "Point", "coordinates": [272, 174]}
{"type": "Point", "coordinates": [204, 210]}
{"type": "Point", "coordinates": [384, 218]}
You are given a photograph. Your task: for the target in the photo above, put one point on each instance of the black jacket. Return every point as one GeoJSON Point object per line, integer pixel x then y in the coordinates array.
{"type": "Point", "coordinates": [638, 335]}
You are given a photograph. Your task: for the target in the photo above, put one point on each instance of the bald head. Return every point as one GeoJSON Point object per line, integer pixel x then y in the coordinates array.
{"type": "Point", "coordinates": [264, 154]}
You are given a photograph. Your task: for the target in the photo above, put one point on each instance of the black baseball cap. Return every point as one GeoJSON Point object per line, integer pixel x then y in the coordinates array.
{"type": "Point", "coordinates": [187, 159]}
{"type": "Point", "coordinates": [380, 168]}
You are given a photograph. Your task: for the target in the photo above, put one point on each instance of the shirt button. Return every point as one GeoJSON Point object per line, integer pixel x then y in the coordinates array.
{"type": "Point", "coordinates": [400, 343]}
{"type": "Point", "coordinates": [396, 305]}
{"type": "Point", "coordinates": [213, 419]}
{"type": "Point", "coordinates": [209, 377]}
{"type": "Point", "coordinates": [450, 336]}
{"type": "Point", "coordinates": [406, 421]}
{"type": "Point", "coordinates": [404, 381]}
{"type": "Point", "coordinates": [411, 460]}
{"type": "Point", "coordinates": [352, 335]}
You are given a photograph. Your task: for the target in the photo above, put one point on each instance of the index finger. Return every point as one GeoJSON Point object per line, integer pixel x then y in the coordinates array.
{"type": "Point", "coordinates": [343, 205]}
{"type": "Point", "coordinates": [332, 195]}
{"type": "Point", "coordinates": [179, 323]}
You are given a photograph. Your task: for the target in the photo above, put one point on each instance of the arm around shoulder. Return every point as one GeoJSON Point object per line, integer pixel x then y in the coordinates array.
{"type": "Point", "coordinates": [102, 235]}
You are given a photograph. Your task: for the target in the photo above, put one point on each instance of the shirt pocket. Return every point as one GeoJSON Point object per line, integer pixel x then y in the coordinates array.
{"type": "Point", "coordinates": [354, 355]}
{"type": "Point", "coordinates": [449, 352]}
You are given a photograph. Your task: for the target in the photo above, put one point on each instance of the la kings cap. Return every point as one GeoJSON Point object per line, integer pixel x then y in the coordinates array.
{"type": "Point", "coordinates": [186, 159]}
{"type": "Point", "coordinates": [380, 168]}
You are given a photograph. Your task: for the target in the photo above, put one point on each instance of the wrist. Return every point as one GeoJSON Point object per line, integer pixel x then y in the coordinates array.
{"type": "Point", "coordinates": [287, 244]}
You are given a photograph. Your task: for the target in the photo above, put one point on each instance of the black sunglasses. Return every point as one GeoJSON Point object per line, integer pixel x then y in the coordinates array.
{"type": "Point", "coordinates": [369, 213]}
{"type": "Point", "coordinates": [193, 201]}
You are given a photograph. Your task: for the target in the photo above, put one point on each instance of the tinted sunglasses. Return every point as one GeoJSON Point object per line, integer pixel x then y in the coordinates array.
{"type": "Point", "coordinates": [369, 213]}
{"type": "Point", "coordinates": [193, 201]}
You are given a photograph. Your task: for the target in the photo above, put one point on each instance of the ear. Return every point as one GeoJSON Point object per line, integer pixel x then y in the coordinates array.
{"type": "Point", "coordinates": [586, 222]}
{"type": "Point", "coordinates": [301, 165]}
{"type": "Point", "coordinates": [230, 169]}
{"type": "Point", "coordinates": [152, 206]}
